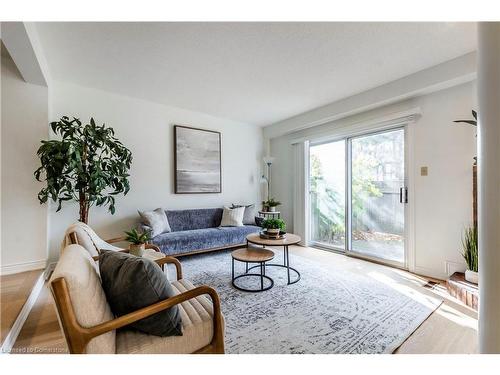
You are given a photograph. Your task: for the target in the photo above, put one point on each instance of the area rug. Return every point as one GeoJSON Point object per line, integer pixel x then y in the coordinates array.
{"type": "Point", "coordinates": [330, 310]}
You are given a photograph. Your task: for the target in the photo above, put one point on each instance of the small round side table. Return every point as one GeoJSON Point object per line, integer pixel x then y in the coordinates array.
{"type": "Point", "coordinates": [290, 239]}
{"type": "Point", "coordinates": [252, 254]}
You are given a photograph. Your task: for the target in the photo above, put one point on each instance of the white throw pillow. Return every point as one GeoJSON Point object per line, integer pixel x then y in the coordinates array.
{"type": "Point", "coordinates": [249, 215]}
{"type": "Point", "coordinates": [156, 220]}
{"type": "Point", "coordinates": [232, 217]}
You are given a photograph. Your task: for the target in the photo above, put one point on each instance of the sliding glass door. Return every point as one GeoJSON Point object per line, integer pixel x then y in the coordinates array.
{"type": "Point", "coordinates": [358, 195]}
{"type": "Point", "coordinates": [327, 194]}
{"type": "Point", "coordinates": [378, 195]}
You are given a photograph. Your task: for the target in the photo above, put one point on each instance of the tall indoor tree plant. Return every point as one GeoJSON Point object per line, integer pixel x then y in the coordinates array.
{"type": "Point", "coordinates": [87, 164]}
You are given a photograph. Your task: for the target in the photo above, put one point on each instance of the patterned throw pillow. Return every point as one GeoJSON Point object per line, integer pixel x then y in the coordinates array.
{"type": "Point", "coordinates": [232, 217]}
{"type": "Point", "coordinates": [157, 220]}
{"type": "Point", "coordinates": [249, 215]}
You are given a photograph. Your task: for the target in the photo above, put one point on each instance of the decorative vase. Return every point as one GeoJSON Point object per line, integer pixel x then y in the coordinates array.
{"type": "Point", "coordinates": [137, 250]}
{"type": "Point", "coordinates": [472, 276]}
{"type": "Point", "coordinates": [272, 209]}
{"type": "Point", "coordinates": [273, 231]}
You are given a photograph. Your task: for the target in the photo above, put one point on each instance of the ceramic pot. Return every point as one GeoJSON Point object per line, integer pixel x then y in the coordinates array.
{"type": "Point", "coordinates": [471, 276]}
{"type": "Point", "coordinates": [272, 231]}
{"type": "Point", "coordinates": [272, 209]}
{"type": "Point", "coordinates": [137, 250]}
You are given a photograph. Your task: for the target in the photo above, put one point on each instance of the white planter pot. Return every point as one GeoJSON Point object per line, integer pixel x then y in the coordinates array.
{"type": "Point", "coordinates": [471, 276]}
{"type": "Point", "coordinates": [272, 209]}
{"type": "Point", "coordinates": [273, 231]}
{"type": "Point", "coordinates": [137, 250]}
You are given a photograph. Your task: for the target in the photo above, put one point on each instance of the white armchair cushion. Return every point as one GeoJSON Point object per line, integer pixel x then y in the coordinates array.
{"type": "Point", "coordinates": [89, 302]}
{"type": "Point", "coordinates": [87, 238]}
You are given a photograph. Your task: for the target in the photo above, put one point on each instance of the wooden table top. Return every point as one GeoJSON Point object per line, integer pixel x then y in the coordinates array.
{"type": "Point", "coordinates": [253, 254]}
{"type": "Point", "coordinates": [290, 239]}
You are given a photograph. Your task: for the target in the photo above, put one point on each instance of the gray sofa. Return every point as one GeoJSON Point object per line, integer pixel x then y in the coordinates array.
{"type": "Point", "coordinates": [198, 230]}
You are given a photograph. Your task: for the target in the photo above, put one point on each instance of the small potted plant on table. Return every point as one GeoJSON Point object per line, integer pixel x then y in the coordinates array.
{"type": "Point", "coordinates": [273, 226]}
{"type": "Point", "coordinates": [470, 254]}
{"type": "Point", "coordinates": [271, 204]}
{"type": "Point", "coordinates": [137, 241]}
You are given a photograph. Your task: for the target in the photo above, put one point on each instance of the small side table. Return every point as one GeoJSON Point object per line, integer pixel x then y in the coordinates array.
{"type": "Point", "coordinates": [252, 254]}
{"type": "Point", "coordinates": [152, 254]}
{"type": "Point", "coordinates": [290, 239]}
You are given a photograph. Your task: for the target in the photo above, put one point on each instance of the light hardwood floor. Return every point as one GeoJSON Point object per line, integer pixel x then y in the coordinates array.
{"type": "Point", "coordinates": [14, 291]}
{"type": "Point", "coordinates": [452, 328]}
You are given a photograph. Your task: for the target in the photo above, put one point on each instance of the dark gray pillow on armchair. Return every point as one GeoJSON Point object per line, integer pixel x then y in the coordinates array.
{"type": "Point", "coordinates": [131, 283]}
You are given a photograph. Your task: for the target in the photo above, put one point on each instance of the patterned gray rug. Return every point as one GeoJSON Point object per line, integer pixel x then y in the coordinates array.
{"type": "Point", "coordinates": [330, 310]}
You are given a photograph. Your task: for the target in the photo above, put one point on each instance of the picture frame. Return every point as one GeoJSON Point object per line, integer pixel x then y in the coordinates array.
{"type": "Point", "coordinates": [197, 160]}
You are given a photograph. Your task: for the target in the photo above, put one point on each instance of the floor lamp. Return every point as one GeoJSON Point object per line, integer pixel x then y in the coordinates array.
{"type": "Point", "coordinates": [269, 161]}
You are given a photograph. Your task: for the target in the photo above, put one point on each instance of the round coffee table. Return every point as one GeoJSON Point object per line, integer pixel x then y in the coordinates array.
{"type": "Point", "coordinates": [290, 239]}
{"type": "Point", "coordinates": [252, 254]}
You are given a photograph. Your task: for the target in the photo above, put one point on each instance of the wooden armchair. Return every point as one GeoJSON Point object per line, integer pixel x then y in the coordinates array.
{"type": "Point", "coordinates": [81, 234]}
{"type": "Point", "coordinates": [90, 327]}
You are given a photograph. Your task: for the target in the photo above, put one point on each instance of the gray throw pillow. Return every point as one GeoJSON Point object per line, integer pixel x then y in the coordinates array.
{"type": "Point", "coordinates": [249, 215]}
{"type": "Point", "coordinates": [131, 283]}
{"type": "Point", "coordinates": [157, 220]}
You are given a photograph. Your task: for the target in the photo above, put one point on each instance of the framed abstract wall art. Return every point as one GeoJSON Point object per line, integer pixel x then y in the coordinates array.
{"type": "Point", "coordinates": [197, 156]}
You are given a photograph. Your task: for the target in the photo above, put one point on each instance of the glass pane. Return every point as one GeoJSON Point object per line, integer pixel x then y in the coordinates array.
{"type": "Point", "coordinates": [327, 185]}
{"type": "Point", "coordinates": [377, 214]}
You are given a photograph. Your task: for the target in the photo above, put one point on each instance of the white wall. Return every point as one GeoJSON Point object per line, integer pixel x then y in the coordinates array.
{"type": "Point", "coordinates": [147, 130]}
{"type": "Point", "coordinates": [443, 199]}
{"type": "Point", "coordinates": [24, 124]}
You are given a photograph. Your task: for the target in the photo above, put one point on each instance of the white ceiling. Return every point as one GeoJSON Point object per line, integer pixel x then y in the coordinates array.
{"type": "Point", "coordinates": [257, 73]}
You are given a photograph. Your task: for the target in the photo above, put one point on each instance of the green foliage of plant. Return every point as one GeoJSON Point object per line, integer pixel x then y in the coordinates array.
{"type": "Point", "coordinates": [136, 237]}
{"type": "Point", "coordinates": [470, 122]}
{"type": "Point", "coordinates": [87, 164]}
{"type": "Point", "coordinates": [362, 189]}
{"type": "Point", "coordinates": [272, 203]}
{"type": "Point", "coordinates": [274, 224]}
{"type": "Point", "coordinates": [331, 217]}
{"type": "Point", "coordinates": [469, 248]}
{"type": "Point", "coordinates": [362, 186]}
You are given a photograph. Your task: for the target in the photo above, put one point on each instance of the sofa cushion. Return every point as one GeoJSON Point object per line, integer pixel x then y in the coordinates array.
{"type": "Point", "coordinates": [156, 220]}
{"type": "Point", "coordinates": [181, 220]}
{"type": "Point", "coordinates": [89, 302]}
{"type": "Point", "coordinates": [174, 243]}
{"type": "Point", "coordinates": [131, 283]}
{"type": "Point", "coordinates": [197, 327]}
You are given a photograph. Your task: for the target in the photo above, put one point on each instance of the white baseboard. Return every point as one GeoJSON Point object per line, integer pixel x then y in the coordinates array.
{"type": "Point", "coordinates": [11, 337]}
{"type": "Point", "coordinates": [452, 267]}
{"type": "Point", "coordinates": [48, 271]}
{"type": "Point", "coordinates": [10, 269]}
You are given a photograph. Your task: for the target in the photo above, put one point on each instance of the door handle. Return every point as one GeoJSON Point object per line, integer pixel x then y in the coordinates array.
{"type": "Point", "coordinates": [403, 194]}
